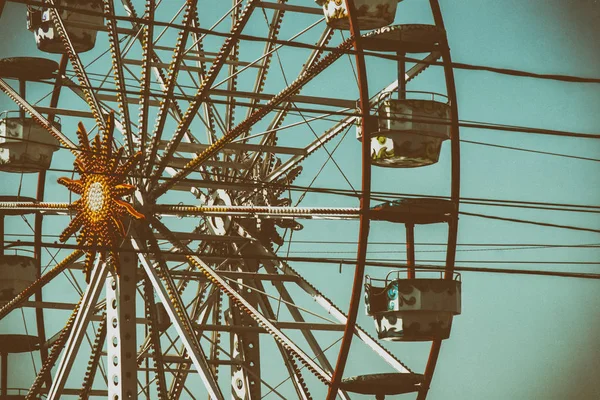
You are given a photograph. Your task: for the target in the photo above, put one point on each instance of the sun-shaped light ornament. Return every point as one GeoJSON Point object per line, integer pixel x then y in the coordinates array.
{"type": "Point", "coordinates": [100, 210]}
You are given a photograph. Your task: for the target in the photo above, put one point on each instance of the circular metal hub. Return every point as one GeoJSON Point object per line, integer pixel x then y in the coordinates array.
{"type": "Point", "coordinates": [219, 225]}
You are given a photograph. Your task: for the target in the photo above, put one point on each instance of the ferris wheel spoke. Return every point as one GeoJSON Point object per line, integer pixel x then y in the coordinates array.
{"type": "Point", "coordinates": [34, 390]}
{"type": "Point", "coordinates": [82, 318]}
{"type": "Point", "coordinates": [153, 333]}
{"type": "Point", "coordinates": [117, 64]}
{"type": "Point", "coordinates": [27, 107]}
{"type": "Point", "coordinates": [280, 115]}
{"type": "Point", "coordinates": [147, 51]}
{"type": "Point", "coordinates": [39, 283]}
{"type": "Point", "coordinates": [260, 211]}
{"type": "Point", "coordinates": [202, 92]}
{"type": "Point", "coordinates": [77, 65]}
{"type": "Point", "coordinates": [165, 288]}
{"type": "Point", "coordinates": [253, 119]}
{"type": "Point", "coordinates": [94, 361]}
{"type": "Point", "coordinates": [200, 312]}
{"type": "Point", "coordinates": [207, 111]}
{"type": "Point", "coordinates": [232, 70]}
{"type": "Point", "coordinates": [171, 80]}
{"type": "Point", "coordinates": [346, 122]}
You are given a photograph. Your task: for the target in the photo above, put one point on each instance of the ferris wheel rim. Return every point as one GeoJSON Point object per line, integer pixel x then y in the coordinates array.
{"type": "Point", "coordinates": [100, 114]}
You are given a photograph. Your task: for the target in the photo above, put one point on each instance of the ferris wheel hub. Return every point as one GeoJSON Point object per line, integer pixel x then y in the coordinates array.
{"type": "Point", "coordinates": [219, 225]}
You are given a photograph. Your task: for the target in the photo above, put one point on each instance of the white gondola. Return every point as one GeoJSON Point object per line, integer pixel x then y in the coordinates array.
{"type": "Point", "coordinates": [410, 132]}
{"type": "Point", "coordinates": [371, 14]}
{"type": "Point", "coordinates": [413, 309]}
{"type": "Point", "coordinates": [410, 129]}
{"type": "Point", "coordinates": [24, 145]}
{"type": "Point", "coordinates": [81, 26]}
{"type": "Point", "coordinates": [16, 274]}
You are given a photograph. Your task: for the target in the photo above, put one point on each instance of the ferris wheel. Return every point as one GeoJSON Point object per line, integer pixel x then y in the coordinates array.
{"type": "Point", "coordinates": [187, 137]}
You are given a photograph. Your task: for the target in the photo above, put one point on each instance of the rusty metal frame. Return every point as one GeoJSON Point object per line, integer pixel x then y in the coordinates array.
{"type": "Point", "coordinates": [37, 251]}
{"type": "Point", "coordinates": [365, 200]}
{"type": "Point", "coordinates": [454, 190]}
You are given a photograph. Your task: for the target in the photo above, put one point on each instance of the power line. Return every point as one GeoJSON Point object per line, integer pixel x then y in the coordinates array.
{"type": "Point", "coordinates": [373, 263]}
{"type": "Point", "coordinates": [386, 196]}
{"type": "Point", "coordinates": [530, 150]}
{"type": "Point", "coordinates": [522, 221]}
{"type": "Point", "coordinates": [462, 123]}
{"type": "Point", "coordinates": [489, 246]}
{"type": "Point", "coordinates": [536, 245]}
{"type": "Point", "coordinates": [456, 65]}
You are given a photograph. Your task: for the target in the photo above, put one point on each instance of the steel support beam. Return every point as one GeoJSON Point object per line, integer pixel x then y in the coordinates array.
{"type": "Point", "coordinates": [121, 330]}
{"type": "Point", "coordinates": [181, 322]}
{"type": "Point", "coordinates": [80, 324]}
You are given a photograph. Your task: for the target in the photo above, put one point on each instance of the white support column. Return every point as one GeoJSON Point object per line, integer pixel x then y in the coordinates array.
{"type": "Point", "coordinates": [86, 311]}
{"type": "Point", "coordinates": [121, 338]}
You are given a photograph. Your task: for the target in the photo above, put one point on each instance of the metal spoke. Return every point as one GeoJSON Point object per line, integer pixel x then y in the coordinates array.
{"type": "Point", "coordinates": [165, 289]}
{"type": "Point", "coordinates": [253, 119]}
{"type": "Point", "coordinates": [84, 81]}
{"type": "Point", "coordinates": [80, 324]}
{"type": "Point", "coordinates": [171, 80]}
{"type": "Point", "coordinates": [117, 63]}
{"type": "Point", "coordinates": [202, 92]}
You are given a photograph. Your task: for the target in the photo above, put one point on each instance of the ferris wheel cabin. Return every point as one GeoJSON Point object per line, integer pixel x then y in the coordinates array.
{"type": "Point", "coordinates": [413, 309]}
{"type": "Point", "coordinates": [81, 18]}
{"type": "Point", "coordinates": [371, 14]}
{"type": "Point", "coordinates": [25, 146]}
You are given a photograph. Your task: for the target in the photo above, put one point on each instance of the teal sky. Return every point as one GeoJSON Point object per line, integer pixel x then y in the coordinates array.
{"type": "Point", "coordinates": [519, 337]}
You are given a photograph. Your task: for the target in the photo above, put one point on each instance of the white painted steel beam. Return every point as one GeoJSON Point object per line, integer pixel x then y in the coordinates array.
{"type": "Point", "coordinates": [271, 258]}
{"type": "Point", "coordinates": [182, 325]}
{"type": "Point", "coordinates": [86, 311]}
